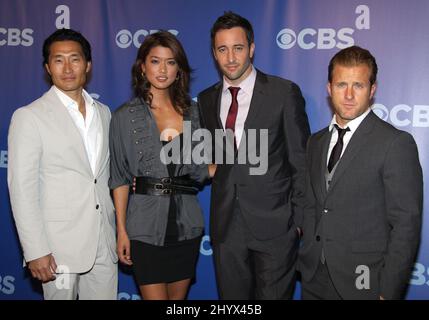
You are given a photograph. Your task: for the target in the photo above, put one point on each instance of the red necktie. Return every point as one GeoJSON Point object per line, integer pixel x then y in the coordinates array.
{"type": "Point", "coordinates": [233, 111]}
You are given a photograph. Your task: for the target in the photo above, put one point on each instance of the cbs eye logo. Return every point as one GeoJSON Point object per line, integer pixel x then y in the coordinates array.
{"type": "Point", "coordinates": [381, 111]}
{"type": "Point", "coordinates": [286, 38]}
{"type": "Point", "coordinates": [124, 38]}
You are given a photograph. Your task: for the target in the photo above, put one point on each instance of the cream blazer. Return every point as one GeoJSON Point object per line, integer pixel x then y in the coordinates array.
{"type": "Point", "coordinates": [58, 204]}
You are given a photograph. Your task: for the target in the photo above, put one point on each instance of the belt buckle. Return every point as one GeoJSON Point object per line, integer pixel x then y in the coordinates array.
{"type": "Point", "coordinates": [158, 186]}
{"type": "Point", "coordinates": [166, 180]}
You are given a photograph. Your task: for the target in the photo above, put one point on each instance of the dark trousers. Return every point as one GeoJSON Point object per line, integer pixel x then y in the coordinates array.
{"type": "Point", "coordinates": [320, 287]}
{"type": "Point", "coordinates": [248, 268]}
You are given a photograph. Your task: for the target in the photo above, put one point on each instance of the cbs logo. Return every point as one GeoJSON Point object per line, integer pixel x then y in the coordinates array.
{"type": "Point", "coordinates": [128, 296]}
{"type": "Point", "coordinates": [3, 158]}
{"type": "Point", "coordinates": [6, 285]}
{"type": "Point", "coordinates": [14, 37]}
{"type": "Point", "coordinates": [205, 247]}
{"type": "Point", "coordinates": [420, 275]}
{"type": "Point", "coordinates": [403, 115]}
{"type": "Point", "coordinates": [124, 38]}
{"type": "Point", "coordinates": [325, 38]}
{"type": "Point", "coordinates": [308, 38]}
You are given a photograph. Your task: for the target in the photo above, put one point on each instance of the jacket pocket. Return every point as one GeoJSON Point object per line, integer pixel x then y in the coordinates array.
{"type": "Point", "coordinates": [57, 214]}
{"type": "Point", "coordinates": [369, 246]}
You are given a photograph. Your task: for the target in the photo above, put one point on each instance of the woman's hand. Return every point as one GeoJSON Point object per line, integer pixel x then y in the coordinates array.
{"type": "Point", "coordinates": [124, 249]}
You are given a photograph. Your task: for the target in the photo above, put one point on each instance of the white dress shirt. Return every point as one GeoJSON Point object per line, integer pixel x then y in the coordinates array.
{"type": "Point", "coordinates": [244, 97]}
{"type": "Point", "coordinates": [89, 128]}
{"type": "Point", "coordinates": [352, 125]}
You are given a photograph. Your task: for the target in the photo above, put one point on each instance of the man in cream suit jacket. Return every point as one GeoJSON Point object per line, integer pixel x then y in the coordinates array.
{"type": "Point", "coordinates": [57, 175]}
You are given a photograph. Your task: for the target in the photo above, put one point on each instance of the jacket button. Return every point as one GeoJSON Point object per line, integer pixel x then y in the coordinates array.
{"type": "Point", "coordinates": [325, 210]}
{"type": "Point", "coordinates": [95, 181]}
{"type": "Point", "coordinates": [97, 206]}
{"type": "Point", "coordinates": [317, 238]}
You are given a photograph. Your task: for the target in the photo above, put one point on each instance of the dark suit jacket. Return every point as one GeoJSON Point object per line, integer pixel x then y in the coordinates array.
{"type": "Point", "coordinates": [371, 215]}
{"type": "Point", "coordinates": [271, 203]}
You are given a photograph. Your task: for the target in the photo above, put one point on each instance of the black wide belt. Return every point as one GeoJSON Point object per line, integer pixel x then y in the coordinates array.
{"type": "Point", "coordinates": [166, 186]}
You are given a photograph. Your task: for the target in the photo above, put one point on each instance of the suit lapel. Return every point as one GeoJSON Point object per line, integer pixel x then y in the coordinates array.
{"type": "Point", "coordinates": [64, 122]}
{"type": "Point", "coordinates": [217, 100]}
{"type": "Point", "coordinates": [326, 139]}
{"type": "Point", "coordinates": [257, 102]}
{"type": "Point", "coordinates": [359, 138]}
{"type": "Point", "coordinates": [320, 156]}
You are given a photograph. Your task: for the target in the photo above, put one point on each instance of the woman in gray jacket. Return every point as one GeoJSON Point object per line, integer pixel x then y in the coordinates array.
{"type": "Point", "coordinates": [160, 223]}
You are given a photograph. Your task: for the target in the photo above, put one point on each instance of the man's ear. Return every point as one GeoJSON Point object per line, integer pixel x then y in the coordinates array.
{"type": "Point", "coordinates": [88, 66]}
{"type": "Point", "coordinates": [47, 69]}
{"type": "Point", "coordinates": [373, 89]}
{"type": "Point", "coordinates": [251, 50]}
{"type": "Point", "coordinates": [214, 53]}
{"type": "Point", "coordinates": [328, 88]}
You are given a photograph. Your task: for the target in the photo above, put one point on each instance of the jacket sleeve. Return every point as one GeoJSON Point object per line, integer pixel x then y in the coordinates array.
{"type": "Point", "coordinates": [309, 207]}
{"type": "Point", "coordinates": [403, 183]}
{"type": "Point", "coordinates": [119, 170]}
{"type": "Point", "coordinates": [25, 153]}
{"type": "Point", "coordinates": [297, 132]}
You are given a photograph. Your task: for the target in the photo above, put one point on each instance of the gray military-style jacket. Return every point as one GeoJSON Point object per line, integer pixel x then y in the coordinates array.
{"type": "Point", "coordinates": [135, 150]}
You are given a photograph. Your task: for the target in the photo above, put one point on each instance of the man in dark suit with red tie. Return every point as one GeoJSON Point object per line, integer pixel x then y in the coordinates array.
{"type": "Point", "coordinates": [364, 194]}
{"type": "Point", "coordinates": [254, 218]}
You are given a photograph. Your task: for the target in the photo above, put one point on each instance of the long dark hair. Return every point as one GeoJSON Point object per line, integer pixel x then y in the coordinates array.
{"type": "Point", "coordinates": [179, 90]}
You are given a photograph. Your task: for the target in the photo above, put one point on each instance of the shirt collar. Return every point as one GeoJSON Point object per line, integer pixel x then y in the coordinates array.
{"type": "Point", "coordinates": [69, 102]}
{"type": "Point", "coordinates": [353, 124]}
{"type": "Point", "coordinates": [246, 85]}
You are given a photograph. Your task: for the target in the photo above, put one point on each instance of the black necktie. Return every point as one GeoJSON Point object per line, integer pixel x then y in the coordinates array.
{"type": "Point", "coordinates": [338, 148]}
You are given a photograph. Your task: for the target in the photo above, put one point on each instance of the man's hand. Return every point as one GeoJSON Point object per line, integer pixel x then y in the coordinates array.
{"type": "Point", "coordinates": [212, 170]}
{"type": "Point", "coordinates": [43, 268]}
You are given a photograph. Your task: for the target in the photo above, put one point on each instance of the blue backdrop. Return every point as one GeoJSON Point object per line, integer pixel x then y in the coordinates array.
{"type": "Point", "coordinates": [294, 39]}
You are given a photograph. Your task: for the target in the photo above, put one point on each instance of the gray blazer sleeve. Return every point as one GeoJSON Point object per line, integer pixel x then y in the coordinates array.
{"type": "Point", "coordinates": [119, 170]}
{"type": "Point", "coordinates": [297, 132]}
{"type": "Point", "coordinates": [403, 183]}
